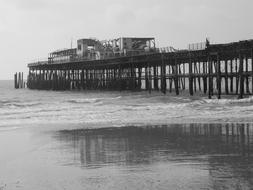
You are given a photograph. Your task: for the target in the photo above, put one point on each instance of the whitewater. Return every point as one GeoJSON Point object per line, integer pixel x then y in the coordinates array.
{"type": "Point", "coordinates": [24, 107]}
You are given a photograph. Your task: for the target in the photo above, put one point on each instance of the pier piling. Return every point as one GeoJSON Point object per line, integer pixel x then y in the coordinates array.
{"type": "Point", "coordinates": [19, 80]}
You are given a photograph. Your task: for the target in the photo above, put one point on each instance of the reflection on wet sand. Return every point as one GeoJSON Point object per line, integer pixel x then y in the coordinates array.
{"type": "Point", "coordinates": [224, 150]}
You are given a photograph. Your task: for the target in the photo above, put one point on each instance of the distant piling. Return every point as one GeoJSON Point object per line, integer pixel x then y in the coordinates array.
{"type": "Point", "coordinates": [19, 80]}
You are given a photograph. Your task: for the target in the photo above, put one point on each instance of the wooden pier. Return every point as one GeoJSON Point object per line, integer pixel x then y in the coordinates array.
{"type": "Point", "coordinates": [218, 69]}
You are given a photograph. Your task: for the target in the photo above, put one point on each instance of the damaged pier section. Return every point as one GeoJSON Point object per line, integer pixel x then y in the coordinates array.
{"type": "Point", "coordinates": [136, 64]}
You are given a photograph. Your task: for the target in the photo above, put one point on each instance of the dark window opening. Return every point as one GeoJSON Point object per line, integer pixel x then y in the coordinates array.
{"type": "Point", "coordinates": [79, 47]}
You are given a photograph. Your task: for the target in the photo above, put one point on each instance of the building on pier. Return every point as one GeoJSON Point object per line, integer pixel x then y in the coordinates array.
{"type": "Point", "coordinates": [93, 49]}
{"type": "Point", "coordinates": [89, 49]}
{"type": "Point", "coordinates": [62, 55]}
{"type": "Point", "coordinates": [135, 46]}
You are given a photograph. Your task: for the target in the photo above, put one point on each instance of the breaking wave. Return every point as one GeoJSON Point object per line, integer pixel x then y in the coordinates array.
{"type": "Point", "coordinates": [90, 100]}
{"type": "Point", "coordinates": [22, 105]}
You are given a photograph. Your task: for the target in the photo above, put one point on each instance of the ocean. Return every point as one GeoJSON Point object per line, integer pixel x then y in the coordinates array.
{"type": "Point", "coordinates": [123, 140]}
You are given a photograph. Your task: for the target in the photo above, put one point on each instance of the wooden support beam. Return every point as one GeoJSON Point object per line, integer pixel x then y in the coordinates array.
{"type": "Point", "coordinates": [87, 85]}
{"type": "Point", "coordinates": [171, 76]}
{"type": "Point", "coordinates": [163, 75]}
{"type": "Point", "coordinates": [146, 78]}
{"type": "Point", "coordinates": [184, 76]}
{"type": "Point", "coordinates": [197, 71]}
{"type": "Point", "coordinates": [179, 73]}
{"type": "Point", "coordinates": [210, 84]}
{"type": "Point", "coordinates": [132, 77]}
{"type": "Point", "coordinates": [218, 76]}
{"type": "Point", "coordinates": [120, 79]}
{"type": "Point", "coordinates": [155, 78]}
{"type": "Point", "coordinates": [190, 76]}
{"type": "Point", "coordinates": [176, 77]}
{"type": "Point", "coordinates": [252, 71]}
{"type": "Point", "coordinates": [247, 77]}
{"type": "Point", "coordinates": [237, 75]}
{"type": "Point", "coordinates": [139, 78]}
{"type": "Point", "coordinates": [15, 81]}
{"type": "Point", "coordinates": [22, 80]}
{"type": "Point", "coordinates": [149, 79]}
{"type": "Point", "coordinates": [205, 76]}
{"type": "Point", "coordinates": [19, 79]}
{"type": "Point", "coordinates": [226, 77]}
{"type": "Point", "coordinates": [82, 79]}
{"type": "Point", "coordinates": [194, 77]}
{"type": "Point", "coordinates": [231, 78]}
{"type": "Point", "coordinates": [241, 77]}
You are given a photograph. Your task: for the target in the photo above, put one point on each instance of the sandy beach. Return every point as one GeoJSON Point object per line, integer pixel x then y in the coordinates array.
{"type": "Point", "coordinates": [153, 157]}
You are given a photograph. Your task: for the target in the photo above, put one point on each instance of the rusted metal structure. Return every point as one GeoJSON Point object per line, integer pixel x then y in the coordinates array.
{"type": "Point", "coordinates": [213, 69]}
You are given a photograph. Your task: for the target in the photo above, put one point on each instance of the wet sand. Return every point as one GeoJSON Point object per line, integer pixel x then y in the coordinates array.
{"type": "Point", "coordinates": [178, 156]}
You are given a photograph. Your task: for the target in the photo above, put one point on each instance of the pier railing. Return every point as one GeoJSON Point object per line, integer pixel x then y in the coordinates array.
{"type": "Point", "coordinates": [44, 61]}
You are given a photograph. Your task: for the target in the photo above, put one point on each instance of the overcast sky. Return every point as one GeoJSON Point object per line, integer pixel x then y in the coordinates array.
{"type": "Point", "coordinates": [30, 29]}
